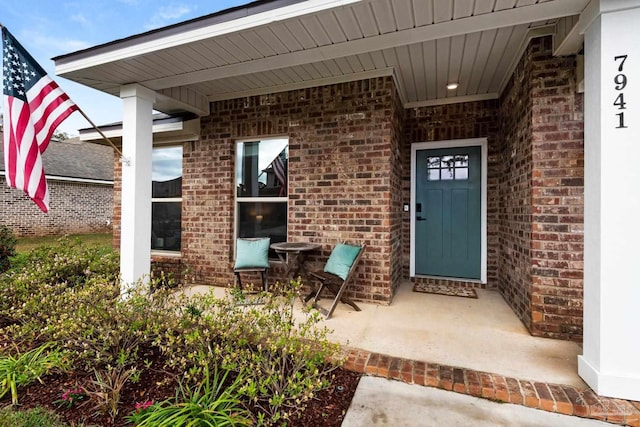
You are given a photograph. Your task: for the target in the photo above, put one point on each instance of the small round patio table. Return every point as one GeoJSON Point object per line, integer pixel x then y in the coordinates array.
{"type": "Point", "coordinates": [293, 256]}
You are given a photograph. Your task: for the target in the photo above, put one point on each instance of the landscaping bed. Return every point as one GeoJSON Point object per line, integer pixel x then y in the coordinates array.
{"type": "Point", "coordinates": [73, 343]}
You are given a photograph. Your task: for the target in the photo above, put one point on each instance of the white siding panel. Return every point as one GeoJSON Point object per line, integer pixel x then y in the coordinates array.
{"type": "Point", "coordinates": [285, 36]}
{"type": "Point", "coordinates": [406, 69]}
{"type": "Point", "coordinates": [378, 59]}
{"type": "Point", "coordinates": [311, 71]}
{"type": "Point", "coordinates": [486, 43]}
{"type": "Point", "coordinates": [301, 34]}
{"type": "Point", "coordinates": [430, 63]}
{"type": "Point", "coordinates": [471, 44]}
{"type": "Point", "coordinates": [317, 33]}
{"type": "Point", "coordinates": [223, 53]}
{"type": "Point", "coordinates": [246, 47]}
{"type": "Point", "coordinates": [260, 44]}
{"type": "Point", "coordinates": [384, 16]}
{"type": "Point", "coordinates": [323, 69]}
{"type": "Point", "coordinates": [508, 57]}
{"type": "Point", "coordinates": [483, 6]}
{"type": "Point", "coordinates": [367, 61]}
{"type": "Point", "coordinates": [463, 8]}
{"type": "Point", "coordinates": [333, 28]}
{"type": "Point", "coordinates": [403, 11]}
{"type": "Point", "coordinates": [366, 20]}
{"type": "Point", "coordinates": [418, 74]}
{"type": "Point", "coordinates": [349, 24]}
{"type": "Point", "coordinates": [504, 4]}
{"type": "Point", "coordinates": [344, 66]}
{"type": "Point", "coordinates": [442, 11]}
{"type": "Point", "coordinates": [270, 38]}
{"type": "Point", "coordinates": [443, 48]}
{"type": "Point", "coordinates": [355, 63]}
{"type": "Point", "coordinates": [503, 35]}
{"type": "Point", "coordinates": [233, 49]}
{"type": "Point", "coordinates": [455, 61]}
{"type": "Point", "coordinates": [423, 12]}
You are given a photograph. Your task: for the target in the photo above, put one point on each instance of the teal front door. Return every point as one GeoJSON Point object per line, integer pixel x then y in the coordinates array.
{"type": "Point", "coordinates": [448, 212]}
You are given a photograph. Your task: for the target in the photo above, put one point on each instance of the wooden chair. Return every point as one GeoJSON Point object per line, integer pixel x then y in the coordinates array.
{"type": "Point", "coordinates": [252, 255]}
{"type": "Point", "coordinates": [336, 276]}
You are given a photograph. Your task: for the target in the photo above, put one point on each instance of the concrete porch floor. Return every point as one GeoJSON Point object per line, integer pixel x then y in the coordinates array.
{"type": "Point", "coordinates": [482, 334]}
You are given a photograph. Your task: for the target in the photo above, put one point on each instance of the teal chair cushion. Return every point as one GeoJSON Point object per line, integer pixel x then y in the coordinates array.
{"type": "Point", "coordinates": [341, 260]}
{"type": "Point", "coordinates": [252, 253]}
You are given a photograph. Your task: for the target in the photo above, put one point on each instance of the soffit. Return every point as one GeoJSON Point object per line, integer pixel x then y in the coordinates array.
{"type": "Point", "coordinates": [424, 44]}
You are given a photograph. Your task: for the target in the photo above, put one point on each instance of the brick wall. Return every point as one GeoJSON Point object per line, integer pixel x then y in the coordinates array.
{"type": "Point", "coordinates": [541, 214]}
{"type": "Point", "coordinates": [344, 151]}
{"type": "Point", "coordinates": [74, 208]}
{"type": "Point", "coordinates": [456, 121]}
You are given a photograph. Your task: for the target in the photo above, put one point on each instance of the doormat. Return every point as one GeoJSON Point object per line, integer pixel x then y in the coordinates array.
{"type": "Point", "coordinates": [453, 291]}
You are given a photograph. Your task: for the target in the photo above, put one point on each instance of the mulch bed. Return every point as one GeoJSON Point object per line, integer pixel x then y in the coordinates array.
{"type": "Point", "coordinates": [327, 409]}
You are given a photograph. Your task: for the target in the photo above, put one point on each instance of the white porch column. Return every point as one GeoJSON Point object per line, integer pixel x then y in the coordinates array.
{"type": "Point", "coordinates": [610, 363]}
{"type": "Point", "coordinates": [137, 141]}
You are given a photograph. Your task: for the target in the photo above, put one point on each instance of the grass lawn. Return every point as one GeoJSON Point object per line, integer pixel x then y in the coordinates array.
{"type": "Point", "coordinates": [27, 244]}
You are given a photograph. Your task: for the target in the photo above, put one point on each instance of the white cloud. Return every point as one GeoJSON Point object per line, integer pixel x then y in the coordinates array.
{"type": "Point", "coordinates": [80, 19]}
{"type": "Point", "coordinates": [167, 15]}
{"type": "Point", "coordinates": [54, 45]}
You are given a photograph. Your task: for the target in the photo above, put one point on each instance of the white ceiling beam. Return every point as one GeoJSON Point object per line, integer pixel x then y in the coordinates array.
{"type": "Point", "coordinates": [508, 17]}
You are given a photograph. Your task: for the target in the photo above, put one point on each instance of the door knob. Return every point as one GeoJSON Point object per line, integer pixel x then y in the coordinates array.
{"type": "Point", "coordinates": [419, 218]}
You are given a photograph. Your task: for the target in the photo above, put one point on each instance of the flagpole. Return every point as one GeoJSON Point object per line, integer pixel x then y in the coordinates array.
{"type": "Point", "coordinates": [122, 158]}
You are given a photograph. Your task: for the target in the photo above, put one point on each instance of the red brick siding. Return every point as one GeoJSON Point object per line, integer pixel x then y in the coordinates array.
{"type": "Point", "coordinates": [557, 196]}
{"type": "Point", "coordinates": [541, 268]}
{"type": "Point", "coordinates": [514, 261]}
{"type": "Point", "coordinates": [74, 208]}
{"type": "Point", "coordinates": [457, 121]}
{"type": "Point", "coordinates": [343, 166]}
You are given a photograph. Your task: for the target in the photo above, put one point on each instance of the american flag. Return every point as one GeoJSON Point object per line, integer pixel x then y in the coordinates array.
{"type": "Point", "coordinates": [281, 173]}
{"type": "Point", "coordinates": [34, 106]}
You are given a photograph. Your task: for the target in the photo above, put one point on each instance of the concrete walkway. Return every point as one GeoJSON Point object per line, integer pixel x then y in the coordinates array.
{"type": "Point", "coordinates": [382, 402]}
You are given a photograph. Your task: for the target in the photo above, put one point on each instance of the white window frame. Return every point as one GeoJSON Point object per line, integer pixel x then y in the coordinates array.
{"type": "Point", "coordinates": [161, 252]}
{"type": "Point", "coordinates": [238, 200]}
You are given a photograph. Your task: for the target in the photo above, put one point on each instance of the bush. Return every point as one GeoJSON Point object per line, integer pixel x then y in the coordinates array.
{"type": "Point", "coordinates": [7, 247]}
{"type": "Point", "coordinates": [285, 361]}
{"type": "Point", "coordinates": [70, 295]}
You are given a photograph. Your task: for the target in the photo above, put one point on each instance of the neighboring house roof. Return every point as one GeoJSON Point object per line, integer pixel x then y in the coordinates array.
{"type": "Point", "coordinates": [75, 159]}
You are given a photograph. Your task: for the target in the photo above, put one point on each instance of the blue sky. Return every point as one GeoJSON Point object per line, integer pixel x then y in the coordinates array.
{"type": "Point", "coordinates": [50, 28]}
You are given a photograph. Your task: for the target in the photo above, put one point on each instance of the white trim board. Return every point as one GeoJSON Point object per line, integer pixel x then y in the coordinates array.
{"type": "Point", "coordinates": [415, 147]}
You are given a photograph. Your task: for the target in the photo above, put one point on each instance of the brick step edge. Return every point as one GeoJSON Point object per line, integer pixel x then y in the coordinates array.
{"type": "Point", "coordinates": [561, 399]}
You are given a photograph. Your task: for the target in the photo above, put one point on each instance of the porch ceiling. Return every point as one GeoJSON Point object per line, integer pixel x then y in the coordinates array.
{"type": "Point", "coordinates": [272, 46]}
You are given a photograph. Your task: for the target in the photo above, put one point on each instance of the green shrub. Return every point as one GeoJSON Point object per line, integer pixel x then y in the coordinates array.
{"type": "Point", "coordinates": [7, 247]}
{"type": "Point", "coordinates": [36, 417]}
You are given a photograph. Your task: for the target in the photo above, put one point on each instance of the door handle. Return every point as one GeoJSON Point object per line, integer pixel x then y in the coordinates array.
{"type": "Point", "coordinates": [419, 218]}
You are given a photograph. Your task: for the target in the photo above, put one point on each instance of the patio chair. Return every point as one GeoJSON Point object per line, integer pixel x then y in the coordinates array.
{"type": "Point", "coordinates": [336, 276]}
{"type": "Point", "coordinates": [252, 256]}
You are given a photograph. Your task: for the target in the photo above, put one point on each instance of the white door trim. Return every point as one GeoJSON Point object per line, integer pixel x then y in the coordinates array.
{"type": "Point", "coordinates": [415, 147]}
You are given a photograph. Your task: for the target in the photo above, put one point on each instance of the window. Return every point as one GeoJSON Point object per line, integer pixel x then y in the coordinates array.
{"type": "Point", "coordinates": [261, 181]}
{"type": "Point", "coordinates": [446, 168]}
{"type": "Point", "coordinates": [166, 198]}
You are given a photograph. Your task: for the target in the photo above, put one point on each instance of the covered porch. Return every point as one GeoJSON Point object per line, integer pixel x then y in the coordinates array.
{"type": "Point", "coordinates": [353, 86]}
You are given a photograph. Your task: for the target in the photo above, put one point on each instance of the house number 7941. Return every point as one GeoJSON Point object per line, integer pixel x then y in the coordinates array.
{"type": "Point", "coordinates": [620, 81]}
